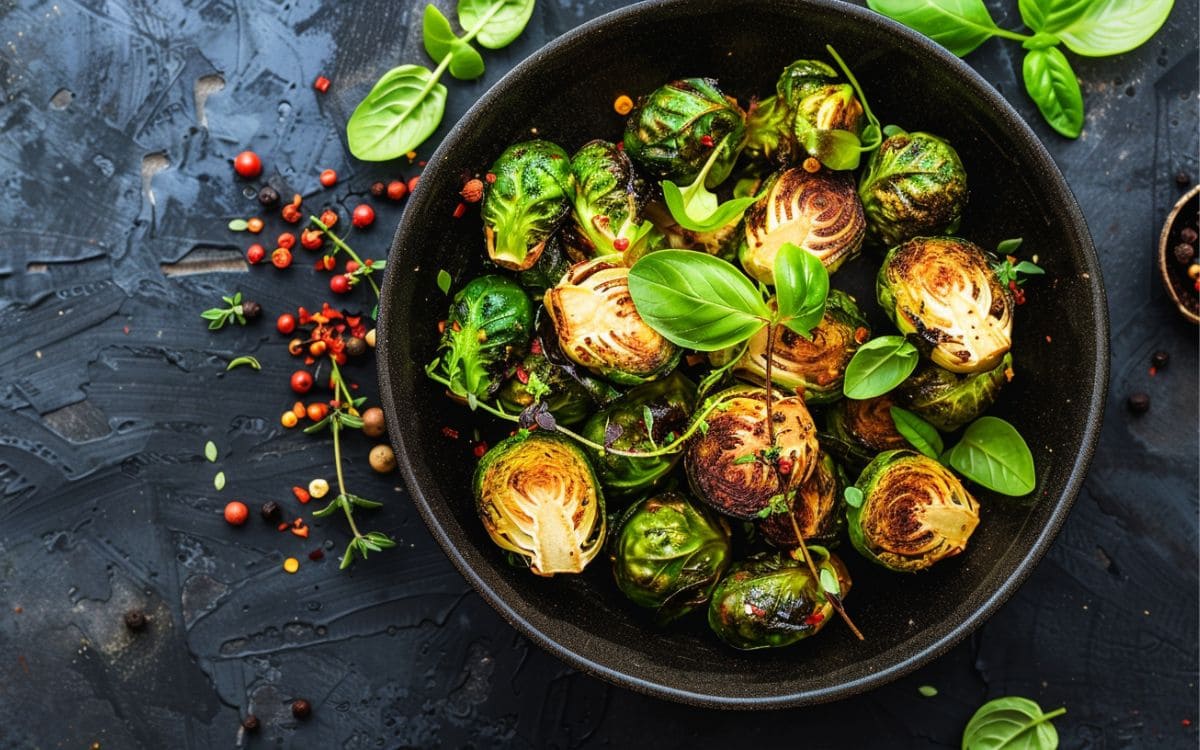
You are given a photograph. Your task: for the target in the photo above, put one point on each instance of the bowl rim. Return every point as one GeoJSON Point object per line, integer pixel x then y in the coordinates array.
{"type": "Point", "coordinates": [1164, 238]}
{"type": "Point", "coordinates": [1074, 482]}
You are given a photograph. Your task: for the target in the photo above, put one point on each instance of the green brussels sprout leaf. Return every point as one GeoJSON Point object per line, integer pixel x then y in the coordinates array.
{"type": "Point", "coordinates": [694, 207]}
{"type": "Point", "coordinates": [854, 496]}
{"type": "Point", "coordinates": [1052, 85]}
{"type": "Point", "coordinates": [993, 454]}
{"type": "Point", "coordinates": [440, 41]}
{"type": "Point", "coordinates": [919, 433]}
{"type": "Point", "coordinates": [1011, 722]}
{"type": "Point", "coordinates": [801, 288]}
{"type": "Point", "coordinates": [878, 366]}
{"type": "Point", "coordinates": [499, 22]}
{"type": "Point", "coordinates": [399, 113]}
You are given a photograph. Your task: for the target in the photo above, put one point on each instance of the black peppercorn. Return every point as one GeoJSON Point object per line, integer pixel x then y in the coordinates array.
{"type": "Point", "coordinates": [301, 708]}
{"type": "Point", "coordinates": [251, 310]}
{"type": "Point", "coordinates": [1189, 235]}
{"type": "Point", "coordinates": [135, 619]}
{"type": "Point", "coordinates": [1160, 359]}
{"type": "Point", "coordinates": [356, 347]}
{"type": "Point", "coordinates": [250, 723]}
{"type": "Point", "coordinates": [1139, 403]}
{"type": "Point", "coordinates": [270, 511]}
{"type": "Point", "coordinates": [1183, 179]}
{"type": "Point", "coordinates": [1184, 253]}
{"type": "Point", "coordinates": [268, 196]}
{"type": "Point", "coordinates": [378, 189]}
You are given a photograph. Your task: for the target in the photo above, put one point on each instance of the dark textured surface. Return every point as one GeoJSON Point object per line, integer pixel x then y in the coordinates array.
{"type": "Point", "coordinates": [115, 168]}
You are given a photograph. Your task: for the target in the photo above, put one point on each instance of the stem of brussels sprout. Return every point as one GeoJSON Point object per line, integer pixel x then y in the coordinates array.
{"type": "Point", "coordinates": [833, 599]}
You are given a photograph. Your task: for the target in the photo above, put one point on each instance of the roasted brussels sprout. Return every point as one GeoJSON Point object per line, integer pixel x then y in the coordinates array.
{"type": "Point", "coordinates": [819, 107]}
{"type": "Point", "coordinates": [672, 131]}
{"type": "Point", "coordinates": [817, 505]}
{"type": "Point", "coordinates": [537, 497]}
{"type": "Point", "coordinates": [944, 290]}
{"type": "Point", "coordinates": [669, 553]}
{"type": "Point", "coordinates": [734, 467]}
{"type": "Point", "coordinates": [530, 197]}
{"type": "Point", "coordinates": [867, 423]}
{"type": "Point", "coordinates": [814, 367]}
{"type": "Point", "coordinates": [771, 600]}
{"type": "Point", "coordinates": [914, 186]}
{"type": "Point", "coordinates": [722, 242]}
{"type": "Point", "coordinates": [534, 378]}
{"type": "Point", "coordinates": [948, 400]}
{"type": "Point", "coordinates": [609, 196]}
{"type": "Point", "coordinates": [489, 324]}
{"type": "Point", "coordinates": [769, 136]}
{"type": "Point", "coordinates": [914, 512]}
{"type": "Point", "coordinates": [598, 326]}
{"type": "Point", "coordinates": [622, 425]}
{"type": "Point", "coordinates": [557, 257]}
{"type": "Point", "coordinates": [818, 211]}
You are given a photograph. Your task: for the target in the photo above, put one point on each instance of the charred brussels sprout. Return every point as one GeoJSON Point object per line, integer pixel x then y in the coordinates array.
{"type": "Point", "coordinates": [489, 324]}
{"type": "Point", "coordinates": [623, 425]}
{"type": "Point", "coordinates": [819, 104]}
{"type": "Point", "coordinates": [530, 197]}
{"type": "Point", "coordinates": [722, 242]}
{"type": "Point", "coordinates": [672, 131]}
{"type": "Point", "coordinates": [914, 185]}
{"type": "Point", "coordinates": [769, 137]}
{"type": "Point", "coordinates": [815, 366]}
{"type": "Point", "coordinates": [817, 505]}
{"type": "Point", "coordinates": [949, 400]}
{"type": "Point", "coordinates": [535, 378]}
{"type": "Point", "coordinates": [556, 259]}
{"type": "Point", "coordinates": [914, 512]}
{"type": "Point", "coordinates": [944, 290]}
{"type": "Point", "coordinates": [818, 211]}
{"type": "Point", "coordinates": [609, 196]}
{"type": "Point", "coordinates": [538, 498]}
{"type": "Point", "coordinates": [771, 600]}
{"type": "Point", "coordinates": [669, 553]}
{"type": "Point", "coordinates": [867, 424]}
{"type": "Point", "coordinates": [598, 326]}
{"type": "Point", "coordinates": [733, 466]}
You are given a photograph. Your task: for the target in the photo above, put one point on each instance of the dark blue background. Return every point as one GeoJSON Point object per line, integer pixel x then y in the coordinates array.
{"type": "Point", "coordinates": [117, 121]}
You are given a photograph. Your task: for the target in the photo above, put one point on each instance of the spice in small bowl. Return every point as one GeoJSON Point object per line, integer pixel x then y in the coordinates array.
{"type": "Point", "coordinates": [1178, 256]}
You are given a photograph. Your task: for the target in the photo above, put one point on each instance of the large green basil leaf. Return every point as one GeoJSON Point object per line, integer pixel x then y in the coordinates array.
{"type": "Point", "coordinates": [919, 433]}
{"type": "Point", "coordinates": [440, 40]}
{"type": "Point", "coordinates": [878, 366]}
{"type": "Point", "coordinates": [1011, 723]}
{"type": "Point", "coordinates": [1095, 28]}
{"type": "Point", "coordinates": [1053, 86]}
{"type": "Point", "coordinates": [958, 25]}
{"type": "Point", "coordinates": [400, 112]}
{"type": "Point", "coordinates": [1051, 15]}
{"type": "Point", "coordinates": [993, 454]}
{"type": "Point", "coordinates": [499, 21]}
{"type": "Point", "coordinates": [801, 287]}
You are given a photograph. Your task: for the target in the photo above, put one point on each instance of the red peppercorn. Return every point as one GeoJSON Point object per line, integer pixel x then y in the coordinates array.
{"type": "Point", "coordinates": [328, 178]}
{"type": "Point", "coordinates": [302, 381]}
{"type": "Point", "coordinates": [329, 217]}
{"type": "Point", "coordinates": [255, 254]}
{"type": "Point", "coordinates": [236, 513]}
{"type": "Point", "coordinates": [412, 183]}
{"type": "Point", "coordinates": [339, 284]}
{"type": "Point", "coordinates": [351, 266]}
{"type": "Point", "coordinates": [286, 240]}
{"type": "Point", "coordinates": [326, 263]}
{"type": "Point", "coordinates": [621, 244]}
{"type": "Point", "coordinates": [491, 178]}
{"type": "Point", "coordinates": [285, 323]}
{"type": "Point", "coordinates": [363, 216]}
{"type": "Point", "coordinates": [706, 141]}
{"type": "Point", "coordinates": [281, 258]}
{"type": "Point", "coordinates": [247, 165]}
{"type": "Point", "coordinates": [472, 191]}
{"type": "Point", "coordinates": [479, 449]}
{"type": "Point", "coordinates": [396, 190]}
{"type": "Point", "coordinates": [321, 84]}
{"type": "Point", "coordinates": [311, 239]}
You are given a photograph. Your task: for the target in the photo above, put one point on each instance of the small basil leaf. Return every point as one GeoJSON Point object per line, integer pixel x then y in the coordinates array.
{"type": "Point", "coordinates": [1008, 247]}
{"type": "Point", "coordinates": [444, 281]}
{"type": "Point", "coordinates": [702, 213]}
{"type": "Point", "coordinates": [838, 150]}
{"type": "Point", "coordinates": [1052, 85]}
{"type": "Point", "coordinates": [1050, 15]}
{"type": "Point", "coordinates": [219, 481]}
{"type": "Point", "coordinates": [801, 287]}
{"type": "Point", "coordinates": [440, 41]}
{"type": "Point", "coordinates": [499, 21]}
{"type": "Point", "coordinates": [993, 454]}
{"type": "Point", "coordinates": [919, 433]}
{"type": "Point", "coordinates": [1011, 722]}
{"type": "Point", "coordinates": [927, 691]}
{"type": "Point", "coordinates": [210, 451]}
{"type": "Point", "coordinates": [829, 582]}
{"type": "Point", "coordinates": [958, 25]}
{"type": "Point", "coordinates": [878, 366]}
{"type": "Point", "coordinates": [399, 113]}
{"type": "Point", "coordinates": [854, 496]}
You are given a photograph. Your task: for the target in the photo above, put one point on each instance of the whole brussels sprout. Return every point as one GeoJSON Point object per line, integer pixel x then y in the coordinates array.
{"type": "Point", "coordinates": [599, 328]}
{"type": "Point", "coordinates": [770, 600]}
{"type": "Point", "coordinates": [949, 400]}
{"type": "Point", "coordinates": [672, 131]}
{"type": "Point", "coordinates": [668, 554]}
{"type": "Point", "coordinates": [559, 254]}
{"type": "Point", "coordinates": [914, 512]}
{"type": "Point", "coordinates": [609, 197]}
{"type": "Point", "coordinates": [867, 423]}
{"type": "Point", "coordinates": [944, 290]}
{"type": "Point", "coordinates": [733, 466]}
{"type": "Point", "coordinates": [815, 366]}
{"type": "Point", "coordinates": [534, 378]}
{"type": "Point", "coordinates": [817, 505]}
{"type": "Point", "coordinates": [914, 186]}
{"type": "Point", "coordinates": [489, 324]}
{"type": "Point", "coordinates": [622, 425]}
{"type": "Point", "coordinates": [817, 211]}
{"type": "Point", "coordinates": [526, 203]}
{"type": "Point", "coordinates": [538, 498]}
{"type": "Point", "coordinates": [819, 106]}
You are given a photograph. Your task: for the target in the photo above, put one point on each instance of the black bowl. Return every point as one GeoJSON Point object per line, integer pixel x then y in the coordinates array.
{"type": "Point", "coordinates": [565, 92]}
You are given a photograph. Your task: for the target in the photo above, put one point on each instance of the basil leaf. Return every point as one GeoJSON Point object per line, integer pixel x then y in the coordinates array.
{"type": "Point", "coordinates": [701, 215]}
{"type": "Point", "coordinates": [696, 300]}
{"type": "Point", "coordinates": [801, 287]}
{"type": "Point", "coordinates": [837, 149]}
{"type": "Point", "coordinates": [399, 113]}
{"type": "Point", "coordinates": [440, 41]}
{"type": "Point", "coordinates": [1053, 86]}
{"type": "Point", "coordinates": [444, 281]}
{"type": "Point", "coordinates": [878, 366]}
{"type": "Point", "coordinates": [499, 21]}
{"type": "Point", "coordinates": [1008, 247]}
{"type": "Point", "coordinates": [958, 25]}
{"type": "Point", "coordinates": [219, 481]}
{"type": "Point", "coordinates": [1011, 722]}
{"type": "Point", "coordinates": [854, 496]}
{"type": "Point", "coordinates": [1028, 268]}
{"type": "Point", "coordinates": [919, 433]}
{"type": "Point", "coordinates": [927, 691]}
{"type": "Point", "coordinates": [993, 454]}
{"type": "Point", "coordinates": [210, 451]}
{"type": "Point", "coordinates": [829, 582]}
{"type": "Point", "coordinates": [1051, 15]}
{"type": "Point", "coordinates": [1095, 28]}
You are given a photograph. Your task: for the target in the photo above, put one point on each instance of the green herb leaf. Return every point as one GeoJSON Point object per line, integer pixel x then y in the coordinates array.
{"type": "Point", "coordinates": [499, 21]}
{"type": "Point", "coordinates": [853, 496]}
{"type": "Point", "coordinates": [316, 427]}
{"type": "Point", "coordinates": [210, 451]}
{"type": "Point", "coordinates": [382, 540]}
{"type": "Point", "coordinates": [829, 582]}
{"type": "Point", "coordinates": [749, 458]}
{"type": "Point", "coordinates": [246, 360]}
{"type": "Point", "coordinates": [697, 208]}
{"type": "Point", "coordinates": [219, 481]}
{"type": "Point", "coordinates": [440, 41]}
{"type": "Point", "coordinates": [362, 502]}
{"type": "Point", "coordinates": [1008, 247]}
{"type": "Point", "coordinates": [878, 366]}
{"type": "Point", "coordinates": [696, 300]}
{"type": "Point", "coordinates": [1011, 722]}
{"type": "Point", "coordinates": [919, 433]}
{"type": "Point", "coordinates": [801, 288]}
{"type": "Point", "coordinates": [536, 388]}
{"type": "Point", "coordinates": [444, 281]}
{"type": "Point", "coordinates": [334, 505]}
{"type": "Point", "coordinates": [993, 454]}
{"type": "Point", "coordinates": [1095, 28]}
{"type": "Point", "coordinates": [837, 149]}
{"type": "Point", "coordinates": [348, 557]}
{"type": "Point", "coordinates": [213, 313]}
{"type": "Point", "coordinates": [400, 112]}
{"type": "Point", "coordinates": [349, 420]}
{"type": "Point", "coordinates": [238, 225]}
{"type": "Point", "coordinates": [1052, 85]}
{"type": "Point", "coordinates": [871, 135]}
{"type": "Point", "coordinates": [1045, 15]}
{"type": "Point", "coordinates": [927, 691]}
{"type": "Point", "coordinates": [958, 25]}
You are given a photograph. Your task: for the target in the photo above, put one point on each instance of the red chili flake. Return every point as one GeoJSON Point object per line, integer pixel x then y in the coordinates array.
{"type": "Point", "coordinates": [785, 466]}
{"type": "Point", "coordinates": [1153, 371]}
{"type": "Point", "coordinates": [1186, 722]}
{"type": "Point", "coordinates": [421, 164]}
{"type": "Point", "coordinates": [522, 375]}
{"type": "Point", "coordinates": [126, 330]}
{"type": "Point", "coordinates": [536, 346]}
{"type": "Point", "coordinates": [816, 618]}
{"type": "Point", "coordinates": [301, 494]}
{"type": "Point", "coordinates": [1048, 339]}
{"type": "Point", "coordinates": [317, 554]}
{"type": "Point", "coordinates": [304, 316]}
{"type": "Point", "coordinates": [450, 432]}
{"type": "Point", "coordinates": [412, 183]}
{"type": "Point", "coordinates": [757, 610]}
{"type": "Point", "coordinates": [491, 178]}
{"type": "Point", "coordinates": [321, 84]}
{"type": "Point", "coordinates": [284, 526]}
{"type": "Point", "coordinates": [480, 448]}
{"type": "Point", "coordinates": [460, 210]}
{"type": "Point", "coordinates": [621, 244]}
{"type": "Point", "coordinates": [861, 334]}
{"type": "Point", "coordinates": [300, 531]}
{"type": "Point", "coordinates": [706, 141]}
{"type": "Point", "coordinates": [620, 145]}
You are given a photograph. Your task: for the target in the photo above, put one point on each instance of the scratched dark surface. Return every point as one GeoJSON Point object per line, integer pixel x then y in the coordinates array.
{"type": "Point", "coordinates": [117, 121]}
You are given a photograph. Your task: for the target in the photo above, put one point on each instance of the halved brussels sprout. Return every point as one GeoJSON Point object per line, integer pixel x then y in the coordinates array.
{"type": "Point", "coordinates": [608, 202]}
{"type": "Point", "coordinates": [817, 505]}
{"type": "Point", "coordinates": [537, 497]}
{"type": "Point", "coordinates": [914, 185]}
{"type": "Point", "coordinates": [622, 425]}
{"type": "Point", "coordinates": [669, 553]}
{"type": "Point", "coordinates": [944, 290]}
{"type": "Point", "coordinates": [734, 467]}
{"type": "Point", "coordinates": [948, 400]}
{"type": "Point", "coordinates": [771, 600]}
{"type": "Point", "coordinates": [818, 211]}
{"type": "Point", "coordinates": [814, 367]}
{"type": "Point", "coordinates": [565, 397]}
{"type": "Point", "coordinates": [722, 242]}
{"type": "Point", "coordinates": [867, 423]}
{"type": "Point", "coordinates": [672, 131]}
{"type": "Point", "coordinates": [489, 324]}
{"type": "Point", "coordinates": [598, 326]}
{"type": "Point", "coordinates": [914, 512]}
{"type": "Point", "coordinates": [526, 203]}
{"type": "Point", "coordinates": [769, 136]}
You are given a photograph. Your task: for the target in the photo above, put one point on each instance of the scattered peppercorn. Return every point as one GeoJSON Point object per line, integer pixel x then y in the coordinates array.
{"type": "Point", "coordinates": [270, 509]}
{"type": "Point", "coordinates": [373, 422]}
{"type": "Point", "coordinates": [329, 217]}
{"type": "Point", "coordinates": [1160, 359]}
{"type": "Point", "coordinates": [1183, 179]}
{"type": "Point", "coordinates": [247, 165]}
{"type": "Point", "coordinates": [300, 410]}
{"type": "Point", "coordinates": [1194, 271]}
{"type": "Point", "coordinates": [378, 189]}
{"type": "Point", "coordinates": [250, 723]}
{"type": "Point", "coordinates": [288, 420]}
{"type": "Point", "coordinates": [135, 620]}
{"type": "Point", "coordinates": [291, 212]}
{"type": "Point", "coordinates": [811, 165]}
{"type": "Point", "coordinates": [363, 216]}
{"type": "Point", "coordinates": [254, 225]}
{"type": "Point", "coordinates": [1139, 403]}
{"type": "Point", "coordinates": [236, 513]}
{"type": "Point", "coordinates": [268, 196]}
{"type": "Point", "coordinates": [328, 178]}
{"type": "Point", "coordinates": [412, 182]}
{"type": "Point", "coordinates": [285, 323]}
{"type": "Point", "coordinates": [621, 244]}
{"type": "Point", "coordinates": [302, 381]}
{"type": "Point", "coordinates": [472, 192]}
{"type": "Point", "coordinates": [251, 310]}
{"type": "Point", "coordinates": [311, 239]}
{"type": "Point", "coordinates": [318, 488]}
{"type": "Point", "coordinates": [351, 266]}
{"type": "Point", "coordinates": [1184, 253]}
{"type": "Point", "coordinates": [480, 448]}
{"type": "Point", "coordinates": [281, 257]}
{"type": "Point", "coordinates": [355, 346]}
{"type": "Point", "coordinates": [301, 708]}
{"type": "Point", "coordinates": [291, 565]}
{"type": "Point", "coordinates": [622, 105]}
{"type": "Point", "coordinates": [339, 283]}
{"type": "Point", "coordinates": [1189, 235]}
{"type": "Point", "coordinates": [255, 254]}
{"type": "Point", "coordinates": [317, 554]}
{"type": "Point", "coordinates": [382, 459]}
{"type": "Point", "coordinates": [396, 190]}
{"type": "Point", "coordinates": [318, 348]}
{"type": "Point", "coordinates": [286, 240]}
{"type": "Point", "coordinates": [321, 84]}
